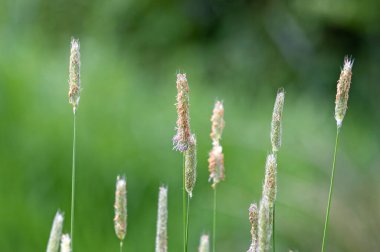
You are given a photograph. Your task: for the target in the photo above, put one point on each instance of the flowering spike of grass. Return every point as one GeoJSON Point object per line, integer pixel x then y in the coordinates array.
{"type": "Point", "coordinates": [162, 221]}
{"type": "Point", "coordinates": [216, 165]}
{"type": "Point", "coordinates": [217, 120]}
{"type": "Point", "coordinates": [55, 233]}
{"type": "Point", "coordinates": [264, 226]}
{"type": "Point", "coordinates": [270, 182]}
{"type": "Point", "coordinates": [276, 138]}
{"type": "Point", "coordinates": [216, 157]}
{"type": "Point", "coordinates": [191, 165]}
{"type": "Point", "coordinates": [343, 88]}
{"type": "Point", "coordinates": [74, 74]}
{"type": "Point", "coordinates": [276, 127]}
{"type": "Point", "coordinates": [253, 219]}
{"type": "Point", "coordinates": [204, 245]}
{"type": "Point", "coordinates": [265, 221]}
{"type": "Point", "coordinates": [120, 220]}
{"type": "Point", "coordinates": [181, 140]}
{"type": "Point", "coordinates": [66, 243]}
{"type": "Point", "coordinates": [74, 96]}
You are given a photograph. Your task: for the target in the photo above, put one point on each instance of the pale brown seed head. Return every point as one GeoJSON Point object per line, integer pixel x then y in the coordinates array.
{"type": "Point", "coordinates": [162, 221]}
{"type": "Point", "coordinates": [276, 126]}
{"type": "Point", "coordinates": [270, 182]}
{"type": "Point", "coordinates": [66, 243]}
{"type": "Point", "coordinates": [204, 245]}
{"type": "Point", "coordinates": [182, 138]}
{"type": "Point", "coordinates": [74, 74]}
{"type": "Point", "coordinates": [264, 226]}
{"type": "Point", "coordinates": [216, 165]}
{"type": "Point", "coordinates": [55, 233]}
{"type": "Point", "coordinates": [253, 219]}
{"type": "Point", "coordinates": [343, 88]}
{"type": "Point", "coordinates": [120, 220]}
{"type": "Point", "coordinates": [217, 120]}
{"type": "Point", "coordinates": [191, 165]}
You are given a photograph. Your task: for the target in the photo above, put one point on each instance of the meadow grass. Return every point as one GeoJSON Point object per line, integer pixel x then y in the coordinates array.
{"type": "Point", "coordinates": [261, 216]}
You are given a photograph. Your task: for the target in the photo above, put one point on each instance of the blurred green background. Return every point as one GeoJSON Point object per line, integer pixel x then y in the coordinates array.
{"type": "Point", "coordinates": [239, 51]}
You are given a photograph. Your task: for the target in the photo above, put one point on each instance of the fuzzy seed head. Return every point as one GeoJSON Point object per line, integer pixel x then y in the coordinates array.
{"type": "Point", "coordinates": [74, 74]}
{"type": "Point", "coordinates": [343, 87]}
{"type": "Point", "coordinates": [216, 165]}
{"type": "Point", "coordinates": [217, 120]}
{"type": "Point", "coordinates": [66, 243]}
{"type": "Point", "coordinates": [204, 245]}
{"type": "Point", "coordinates": [181, 140]}
{"type": "Point", "coordinates": [162, 221]}
{"type": "Point", "coordinates": [191, 165]}
{"type": "Point", "coordinates": [264, 226]}
{"type": "Point", "coordinates": [276, 127]}
{"type": "Point", "coordinates": [55, 233]}
{"type": "Point", "coordinates": [270, 182]}
{"type": "Point", "coordinates": [120, 220]}
{"type": "Point", "coordinates": [253, 219]}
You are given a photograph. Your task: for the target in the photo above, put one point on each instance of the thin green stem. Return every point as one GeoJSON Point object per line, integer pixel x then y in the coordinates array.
{"type": "Point", "coordinates": [73, 187]}
{"type": "Point", "coordinates": [273, 228]}
{"type": "Point", "coordinates": [214, 223]}
{"type": "Point", "coordinates": [121, 246]}
{"type": "Point", "coordinates": [187, 221]}
{"type": "Point", "coordinates": [184, 207]}
{"type": "Point", "coordinates": [330, 192]}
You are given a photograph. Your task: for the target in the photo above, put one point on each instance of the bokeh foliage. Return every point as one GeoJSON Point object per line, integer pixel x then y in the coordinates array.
{"type": "Point", "coordinates": [238, 51]}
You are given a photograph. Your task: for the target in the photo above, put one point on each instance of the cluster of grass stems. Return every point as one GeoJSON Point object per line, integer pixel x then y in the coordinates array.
{"type": "Point", "coordinates": [261, 216]}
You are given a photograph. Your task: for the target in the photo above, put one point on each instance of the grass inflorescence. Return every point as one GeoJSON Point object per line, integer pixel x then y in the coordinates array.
{"type": "Point", "coordinates": [261, 215]}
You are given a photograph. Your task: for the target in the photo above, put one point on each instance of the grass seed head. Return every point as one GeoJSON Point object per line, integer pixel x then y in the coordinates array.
{"type": "Point", "coordinates": [204, 245]}
{"type": "Point", "coordinates": [216, 165]}
{"type": "Point", "coordinates": [191, 165]}
{"type": "Point", "coordinates": [55, 233]}
{"type": "Point", "coordinates": [343, 87]}
{"type": "Point", "coordinates": [181, 140]}
{"type": "Point", "coordinates": [162, 221]}
{"type": "Point", "coordinates": [270, 182]}
{"type": "Point", "coordinates": [66, 243]}
{"type": "Point", "coordinates": [120, 220]}
{"type": "Point", "coordinates": [217, 120]}
{"type": "Point", "coordinates": [253, 219]}
{"type": "Point", "coordinates": [216, 157]}
{"type": "Point", "coordinates": [74, 74]}
{"type": "Point", "coordinates": [264, 226]}
{"type": "Point", "coordinates": [276, 127]}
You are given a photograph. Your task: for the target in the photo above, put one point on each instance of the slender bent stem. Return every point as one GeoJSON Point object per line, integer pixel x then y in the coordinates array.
{"type": "Point", "coordinates": [184, 208]}
{"type": "Point", "coordinates": [330, 192]}
{"type": "Point", "coordinates": [73, 187]}
{"type": "Point", "coordinates": [273, 228]}
{"type": "Point", "coordinates": [187, 221]}
{"type": "Point", "coordinates": [214, 223]}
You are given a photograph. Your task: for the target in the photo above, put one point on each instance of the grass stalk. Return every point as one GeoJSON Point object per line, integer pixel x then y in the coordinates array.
{"type": "Point", "coordinates": [273, 228]}
{"type": "Point", "coordinates": [184, 208]}
{"type": "Point", "coordinates": [73, 185]}
{"type": "Point", "coordinates": [121, 246]}
{"type": "Point", "coordinates": [187, 221]}
{"type": "Point", "coordinates": [214, 223]}
{"type": "Point", "coordinates": [330, 191]}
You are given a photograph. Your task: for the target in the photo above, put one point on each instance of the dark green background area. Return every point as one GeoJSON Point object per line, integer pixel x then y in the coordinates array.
{"type": "Point", "coordinates": [238, 51]}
